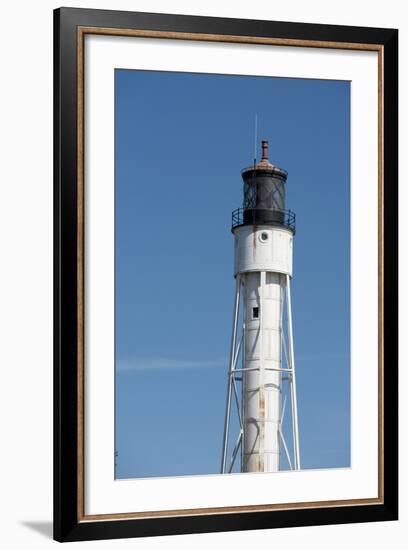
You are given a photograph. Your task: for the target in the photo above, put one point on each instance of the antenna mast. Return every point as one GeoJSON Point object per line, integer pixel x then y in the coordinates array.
{"type": "Point", "coordinates": [255, 137]}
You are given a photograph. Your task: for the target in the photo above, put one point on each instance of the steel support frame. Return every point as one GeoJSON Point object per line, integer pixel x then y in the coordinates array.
{"type": "Point", "coordinates": [232, 390]}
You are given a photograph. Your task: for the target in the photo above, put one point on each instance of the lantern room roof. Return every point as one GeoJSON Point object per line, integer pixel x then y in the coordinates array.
{"type": "Point", "coordinates": [264, 164]}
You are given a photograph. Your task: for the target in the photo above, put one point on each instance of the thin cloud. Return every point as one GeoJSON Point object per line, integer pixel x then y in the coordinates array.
{"type": "Point", "coordinates": [157, 363]}
{"type": "Point", "coordinates": [321, 356]}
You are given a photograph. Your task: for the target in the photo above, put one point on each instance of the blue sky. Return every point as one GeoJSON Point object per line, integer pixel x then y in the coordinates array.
{"type": "Point", "coordinates": [181, 141]}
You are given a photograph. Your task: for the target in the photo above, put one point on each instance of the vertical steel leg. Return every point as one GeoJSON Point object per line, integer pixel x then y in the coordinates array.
{"type": "Point", "coordinates": [292, 377]}
{"type": "Point", "coordinates": [230, 374]}
{"type": "Point", "coordinates": [242, 398]}
{"type": "Point", "coordinates": [261, 426]}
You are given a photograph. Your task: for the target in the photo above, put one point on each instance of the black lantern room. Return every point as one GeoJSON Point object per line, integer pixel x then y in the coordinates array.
{"type": "Point", "coordinates": [264, 195]}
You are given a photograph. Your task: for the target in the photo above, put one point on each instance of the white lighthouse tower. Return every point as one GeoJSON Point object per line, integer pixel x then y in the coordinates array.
{"type": "Point", "coordinates": [261, 375]}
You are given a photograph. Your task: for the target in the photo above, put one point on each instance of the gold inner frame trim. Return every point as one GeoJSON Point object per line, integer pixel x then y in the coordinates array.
{"type": "Point", "coordinates": [81, 33]}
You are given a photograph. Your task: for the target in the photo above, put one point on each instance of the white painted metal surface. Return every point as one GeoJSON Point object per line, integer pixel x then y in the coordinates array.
{"type": "Point", "coordinates": [263, 268]}
{"type": "Point", "coordinates": [261, 387]}
{"type": "Point", "coordinates": [263, 248]}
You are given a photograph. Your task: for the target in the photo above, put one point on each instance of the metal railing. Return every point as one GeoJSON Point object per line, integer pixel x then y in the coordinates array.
{"type": "Point", "coordinates": [283, 218]}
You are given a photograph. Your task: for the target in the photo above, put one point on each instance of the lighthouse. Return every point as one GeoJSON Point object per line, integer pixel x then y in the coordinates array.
{"type": "Point", "coordinates": [261, 382]}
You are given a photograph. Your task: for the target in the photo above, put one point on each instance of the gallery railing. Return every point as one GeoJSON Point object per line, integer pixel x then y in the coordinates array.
{"type": "Point", "coordinates": [257, 216]}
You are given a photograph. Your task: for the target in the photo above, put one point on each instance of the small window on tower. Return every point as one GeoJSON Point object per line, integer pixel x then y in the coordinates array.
{"type": "Point", "coordinates": [255, 313]}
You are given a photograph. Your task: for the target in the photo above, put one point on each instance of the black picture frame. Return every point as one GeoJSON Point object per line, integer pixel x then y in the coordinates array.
{"type": "Point", "coordinates": [68, 525]}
